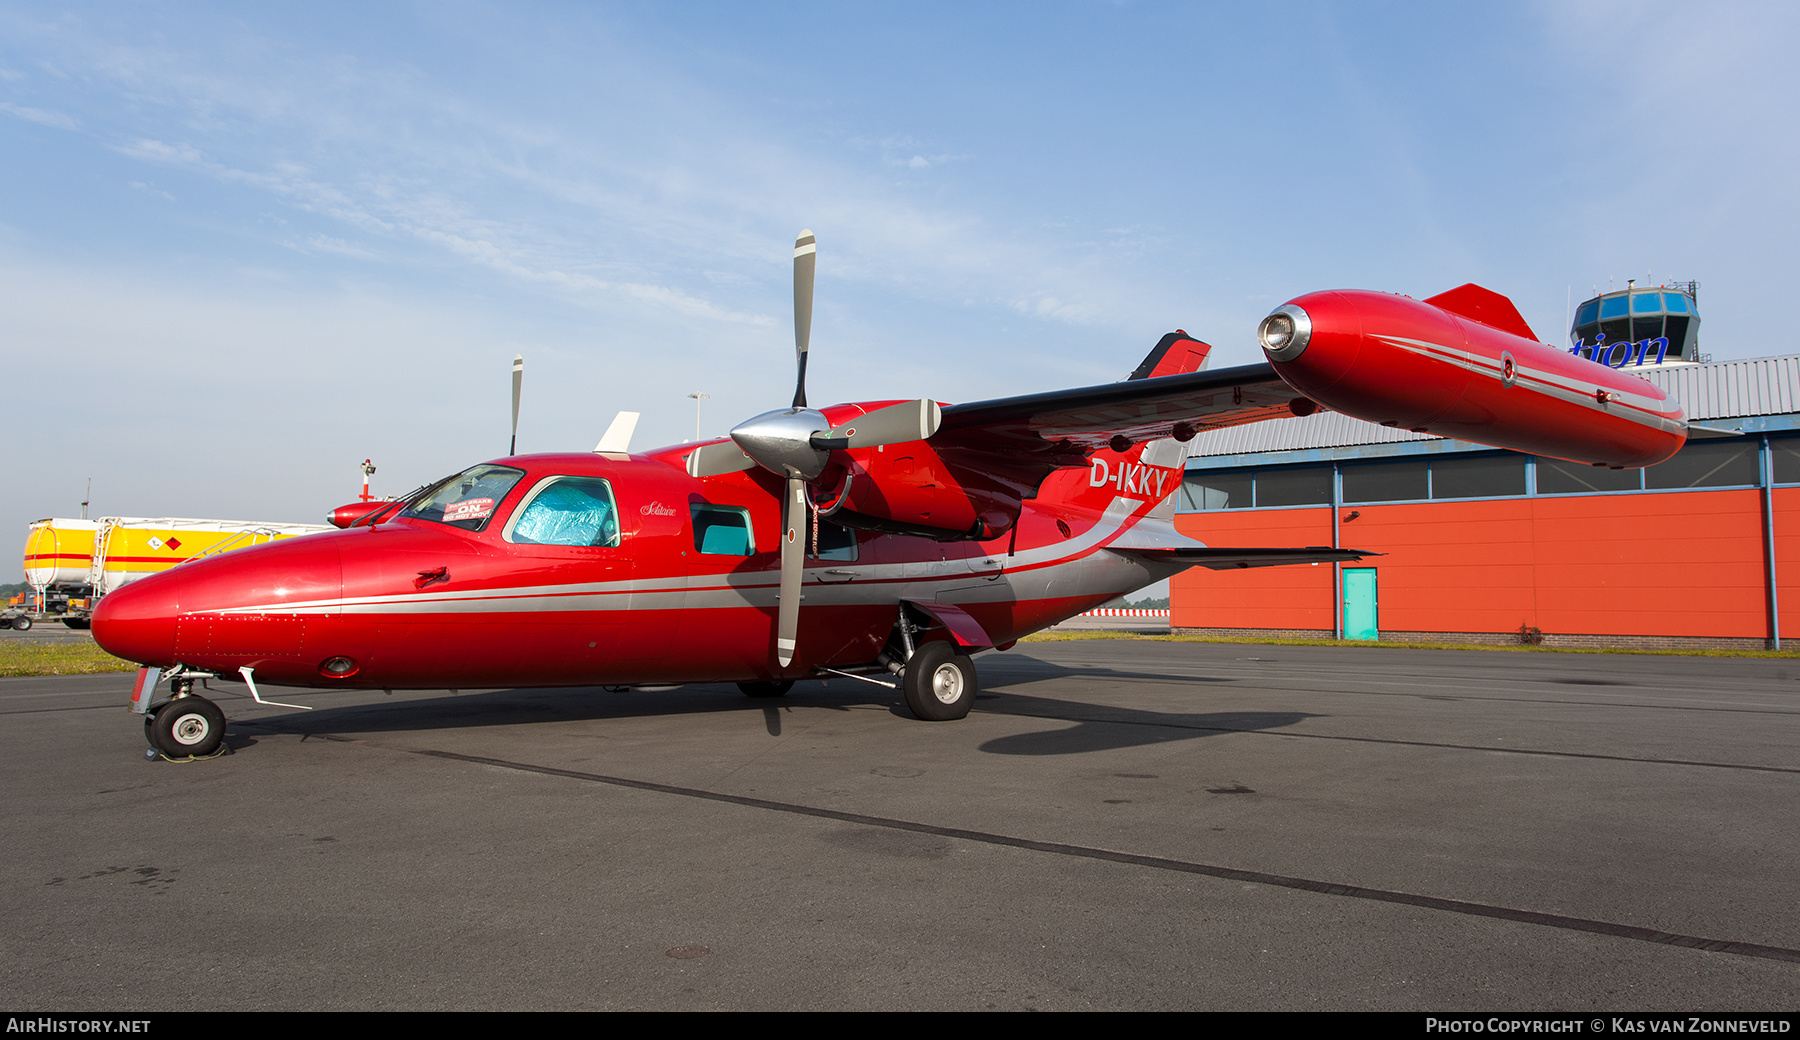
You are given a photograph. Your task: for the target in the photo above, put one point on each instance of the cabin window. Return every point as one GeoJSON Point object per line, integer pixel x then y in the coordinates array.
{"type": "Point", "coordinates": [567, 511]}
{"type": "Point", "coordinates": [468, 499]}
{"type": "Point", "coordinates": [723, 531]}
{"type": "Point", "coordinates": [835, 542]}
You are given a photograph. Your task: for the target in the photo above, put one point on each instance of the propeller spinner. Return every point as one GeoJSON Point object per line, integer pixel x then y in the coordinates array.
{"type": "Point", "coordinates": [796, 443]}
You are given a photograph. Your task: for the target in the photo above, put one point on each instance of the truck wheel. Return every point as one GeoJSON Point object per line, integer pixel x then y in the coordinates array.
{"type": "Point", "coordinates": [79, 623]}
{"type": "Point", "coordinates": [939, 682]}
{"type": "Point", "coordinates": [21, 624]}
{"type": "Point", "coordinates": [187, 726]}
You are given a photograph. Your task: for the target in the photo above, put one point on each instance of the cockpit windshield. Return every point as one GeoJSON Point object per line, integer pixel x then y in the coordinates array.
{"type": "Point", "coordinates": [468, 499]}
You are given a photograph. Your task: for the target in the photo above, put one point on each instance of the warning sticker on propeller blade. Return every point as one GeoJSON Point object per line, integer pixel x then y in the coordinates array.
{"type": "Point", "coordinates": [468, 509]}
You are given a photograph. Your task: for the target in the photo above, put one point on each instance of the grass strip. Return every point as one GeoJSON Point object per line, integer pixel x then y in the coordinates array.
{"type": "Point", "coordinates": [71, 658]}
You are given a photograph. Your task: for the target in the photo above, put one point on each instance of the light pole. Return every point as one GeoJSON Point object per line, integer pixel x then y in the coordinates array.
{"type": "Point", "coordinates": [698, 397]}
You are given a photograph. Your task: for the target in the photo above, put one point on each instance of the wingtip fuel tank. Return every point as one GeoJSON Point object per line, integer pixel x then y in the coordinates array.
{"type": "Point", "coordinates": [1457, 366]}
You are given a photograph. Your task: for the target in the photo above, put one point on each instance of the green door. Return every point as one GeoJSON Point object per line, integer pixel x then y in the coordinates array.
{"type": "Point", "coordinates": [1359, 603]}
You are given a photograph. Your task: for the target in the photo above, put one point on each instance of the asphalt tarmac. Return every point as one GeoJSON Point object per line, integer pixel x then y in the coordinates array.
{"type": "Point", "coordinates": [1118, 825]}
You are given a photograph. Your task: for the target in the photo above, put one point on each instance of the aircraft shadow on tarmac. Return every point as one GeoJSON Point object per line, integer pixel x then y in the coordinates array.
{"type": "Point", "coordinates": [1098, 726]}
{"type": "Point", "coordinates": [1106, 727]}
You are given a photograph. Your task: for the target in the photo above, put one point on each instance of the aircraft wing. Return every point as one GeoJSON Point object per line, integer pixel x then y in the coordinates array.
{"type": "Point", "coordinates": [1061, 427]}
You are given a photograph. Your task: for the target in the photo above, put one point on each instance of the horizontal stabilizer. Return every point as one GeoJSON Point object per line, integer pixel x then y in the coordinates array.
{"type": "Point", "coordinates": [1226, 558]}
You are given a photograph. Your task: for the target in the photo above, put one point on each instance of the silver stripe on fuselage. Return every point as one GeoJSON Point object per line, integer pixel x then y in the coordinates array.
{"type": "Point", "coordinates": [895, 581]}
{"type": "Point", "coordinates": [1638, 407]}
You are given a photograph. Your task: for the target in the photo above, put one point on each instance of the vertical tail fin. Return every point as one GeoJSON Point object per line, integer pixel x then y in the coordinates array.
{"type": "Point", "coordinates": [1175, 354]}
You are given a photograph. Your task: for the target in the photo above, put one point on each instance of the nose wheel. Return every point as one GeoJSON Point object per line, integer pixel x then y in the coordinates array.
{"type": "Point", "coordinates": [186, 727]}
{"type": "Point", "coordinates": [939, 682]}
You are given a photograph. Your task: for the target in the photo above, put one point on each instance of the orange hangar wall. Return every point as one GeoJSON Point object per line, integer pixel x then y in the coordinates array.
{"type": "Point", "coordinates": [1293, 601]}
{"type": "Point", "coordinates": [1662, 568]}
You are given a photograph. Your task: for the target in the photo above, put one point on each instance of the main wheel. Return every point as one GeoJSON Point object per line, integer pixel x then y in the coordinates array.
{"type": "Point", "coordinates": [187, 726]}
{"type": "Point", "coordinates": [766, 689]}
{"type": "Point", "coordinates": [939, 682]}
{"type": "Point", "coordinates": [21, 623]}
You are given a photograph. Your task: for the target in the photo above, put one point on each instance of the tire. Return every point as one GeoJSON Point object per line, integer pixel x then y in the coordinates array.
{"type": "Point", "coordinates": [21, 623]}
{"type": "Point", "coordinates": [187, 726]}
{"type": "Point", "coordinates": [78, 623]}
{"type": "Point", "coordinates": [939, 682]}
{"type": "Point", "coordinates": [766, 689]}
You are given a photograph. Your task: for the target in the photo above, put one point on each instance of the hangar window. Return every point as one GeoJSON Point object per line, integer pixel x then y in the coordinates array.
{"type": "Point", "coordinates": [1556, 477]}
{"type": "Point", "coordinates": [1493, 476]}
{"type": "Point", "coordinates": [723, 531]}
{"type": "Point", "coordinates": [1263, 488]}
{"type": "Point", "coordinates": [1293, 486]}
{"type": "Point", "coordinates": [567, 511]}
{"type": "Point", "coordinates": [1786, 451]}
{"type": "Point", "coordinates": [1216, 489]}
{"type": "Point", "coordinates": [1387, 481]}
{"type": "Point", "coordinates": [1722, 463]}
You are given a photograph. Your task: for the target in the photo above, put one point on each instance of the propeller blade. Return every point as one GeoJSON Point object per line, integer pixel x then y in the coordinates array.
{"type": "Point", "coordinates": [806, 257]}
{"type": "Point", "coordinates": [518, 382]}
{"type": "Point", "coordinates": [711, 460]}
{"type": "Point", "coordinates": [793, 558]}
{"type": "Point", "coordinates": [895, 424]}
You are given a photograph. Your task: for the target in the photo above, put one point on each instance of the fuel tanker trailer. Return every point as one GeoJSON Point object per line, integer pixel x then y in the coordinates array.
{"type": "Point", "coordinates": [71, 564]}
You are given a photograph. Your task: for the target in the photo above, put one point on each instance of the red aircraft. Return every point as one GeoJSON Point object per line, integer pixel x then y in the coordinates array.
{"type": "Point", "coordinates": [885, 541]}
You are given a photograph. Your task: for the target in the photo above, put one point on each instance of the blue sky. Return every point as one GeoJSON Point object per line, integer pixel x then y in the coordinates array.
{"type": "Point", "coordinates": [244, 247]}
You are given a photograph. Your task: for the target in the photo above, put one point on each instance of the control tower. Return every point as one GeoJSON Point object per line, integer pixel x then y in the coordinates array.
{"type": "Point", "coordinates": [1634, 327]}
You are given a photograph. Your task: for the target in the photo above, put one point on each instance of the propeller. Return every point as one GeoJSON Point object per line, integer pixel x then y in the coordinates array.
{"type": "Point", "coordinates": [806, 259]}
{"type": "Point", "coordinates": [518, 382]}
{"type": "Point", "coordinates": [796, 444]}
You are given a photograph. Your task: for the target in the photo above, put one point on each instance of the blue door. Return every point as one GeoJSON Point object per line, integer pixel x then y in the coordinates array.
{"type": "Point", "coordinates": [1360, 613]}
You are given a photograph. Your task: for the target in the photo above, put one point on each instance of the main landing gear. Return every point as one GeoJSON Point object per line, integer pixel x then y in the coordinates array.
{"type": "Point", "coordinates": [189, 726]}
{"type": "Point", "coordinates": [938, 679]}
{"type": "Point", "coordinates": [939, 682]}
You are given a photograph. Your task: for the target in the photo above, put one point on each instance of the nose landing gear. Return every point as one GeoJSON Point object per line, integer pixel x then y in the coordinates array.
{"type": "Point", "coordinates": [186, 727]}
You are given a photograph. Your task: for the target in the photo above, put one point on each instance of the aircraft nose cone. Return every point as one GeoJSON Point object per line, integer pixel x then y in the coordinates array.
{"type": "Point", "coordinates": [137, 622]}
{"type": "Point", "coordinates": [170, 617]}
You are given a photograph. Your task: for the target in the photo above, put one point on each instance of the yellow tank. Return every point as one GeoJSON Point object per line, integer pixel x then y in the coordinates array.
{"type": "Point", "coordinates": [59, 552]}
{"type": "Point", "coordinates": [114, 550]}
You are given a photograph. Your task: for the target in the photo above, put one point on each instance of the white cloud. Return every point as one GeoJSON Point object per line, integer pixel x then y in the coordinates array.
{"type": "Point", "coordinates": [40, 116]}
